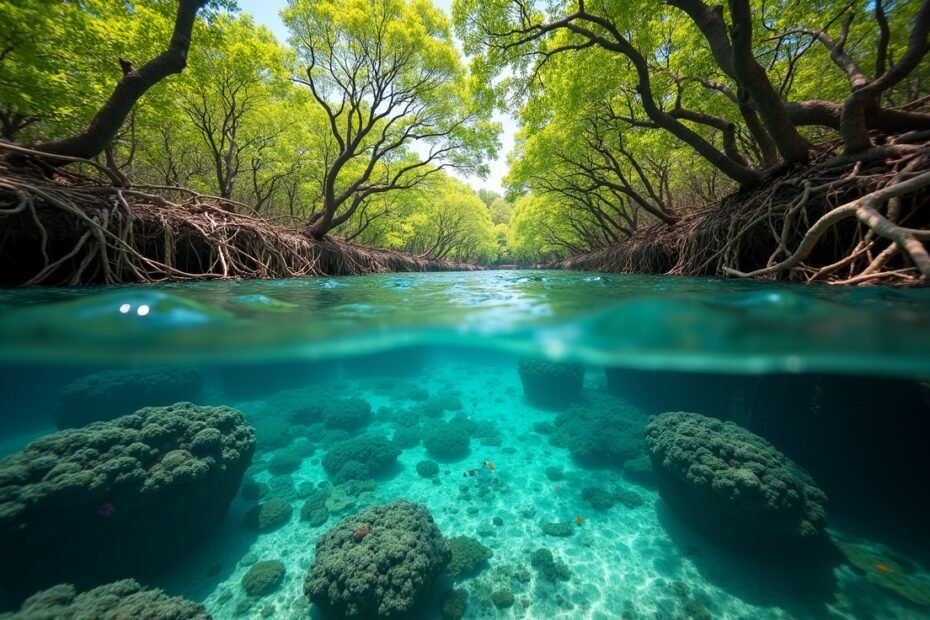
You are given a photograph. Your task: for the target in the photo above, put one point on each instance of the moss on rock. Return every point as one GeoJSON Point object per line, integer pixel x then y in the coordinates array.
{"type": "Point", "coordinates": [382, 573]}
{"type": "Point", "coordinates": [735, 478]}
{"type": "Point", "coordinates": [73, 503]}
{"type": "Point", "coordinates": [263, 578]}
{"type": "Point", "coordinates": [121, 599]}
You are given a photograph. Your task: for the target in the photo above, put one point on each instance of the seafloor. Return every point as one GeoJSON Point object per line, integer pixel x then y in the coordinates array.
{"type": "Point", "coordinates": [627, 561]}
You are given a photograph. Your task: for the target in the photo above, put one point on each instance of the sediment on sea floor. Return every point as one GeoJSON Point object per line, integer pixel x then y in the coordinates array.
{"type": "Point", "coordinates": [68, 230]}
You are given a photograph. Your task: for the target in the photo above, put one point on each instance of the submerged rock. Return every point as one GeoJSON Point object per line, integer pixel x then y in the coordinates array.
{"type": "Point", "coordinates": [119, 498]}
{"type": "Point", "coordinates": [550, 385]}
{"type": "Point", "coordinates": [112, 393]}
{"type": "Point", "coordinates": [121, 599]}
{"type": "Point", "coordinates": [360, 458]}
{"type": "Point", "coordinates": [548, 568]}
{"type": "Point", "coordinates": [263, 578]}
{"type": "Point", "coordinates": [717, 472]}
{"type": "Point", "coordinates": [377, 563]}
{"type": "Point", "coordinates": [469, 557]}
{"type": "Point", "coordinates": [447, 442]}
{"type": "Point", "coordinates": [602, 431]}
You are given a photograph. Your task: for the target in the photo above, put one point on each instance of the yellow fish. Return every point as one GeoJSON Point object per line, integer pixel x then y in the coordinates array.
{"type": "Point", "coordinates": [579, 520]}
{"type": "Point", "coordinates": [882, 568]}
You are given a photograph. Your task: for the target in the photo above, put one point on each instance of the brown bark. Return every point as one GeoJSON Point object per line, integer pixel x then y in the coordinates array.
{"type": "Point", "coordinates": [134, 83]}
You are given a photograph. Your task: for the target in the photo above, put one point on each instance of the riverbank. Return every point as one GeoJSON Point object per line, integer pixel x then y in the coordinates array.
{"type": "Point", "coordinates": [66, 230]}
{"type": "Point", "coordinates": [840, 219]}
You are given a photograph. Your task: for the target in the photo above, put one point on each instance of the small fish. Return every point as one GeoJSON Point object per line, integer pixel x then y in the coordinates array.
{"type": "Point", "coordinates": [469, 473]}
{"type": "Point", "coordinates": [489, 465]}
{"type": "Point", "coordinates": [579, 520]}
{"type": "Point", "coordinates": [882, 568]}
{"type": "Point", "coordinates": [105, 510]}
{"type": "Point", "coordinates": [556, 488]}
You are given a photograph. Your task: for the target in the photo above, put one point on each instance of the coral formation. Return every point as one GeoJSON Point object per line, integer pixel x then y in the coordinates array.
{"type": "Point", "coordinates": [72, 503]}
{"type": "Point", "coordinates": [120, 599]}
{"type": "Point", "coordinates": [406, 437]}
{"type": "Point", "coordinates": [469, 557]}
{"type": "Point", "coordinates": [284, 462]}
{"type": "Point", "coordinates": [112, 393]}
{"type": "Point", "coordinates": [605, 499]}
{"type": "Point", "coordinates": [722, 471]}
{"type": "Point", "coordinates": [559, 529]}
{"type": "Point", "coordinates": [502, 598]}
{"type": "Point", "coordinates": [348, 414]}
{"type": "Point", "coordinates": [549, 568]}
{"type": "Point", "coordinates": [453, 604]}
{"type": "Point", "coordinates": [550, 385]}
{"type": "Point", "coordinates": [263, 578]}
{"type": "Point", "coordinates": [314, 509]}
{"type": "Point", "coordinates": [428, 469]}
{"type": "Point", "coordinates": [360, 458]}
{"type": "Point", "coordinates": [269, 515]}
{"type": "Point", "coordinates": [385, 573]}
{"type": "Point", "coordinates": [602, 431]}
{"type": "Point", "coordinates": [446, 441]}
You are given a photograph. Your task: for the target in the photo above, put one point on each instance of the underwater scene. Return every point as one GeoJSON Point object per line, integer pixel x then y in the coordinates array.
{"type": "Point", "coordinates": [499, 444]}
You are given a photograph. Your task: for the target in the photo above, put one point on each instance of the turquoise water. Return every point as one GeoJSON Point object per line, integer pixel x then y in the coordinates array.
{"type": "Point", "coordinates": [835, 379]}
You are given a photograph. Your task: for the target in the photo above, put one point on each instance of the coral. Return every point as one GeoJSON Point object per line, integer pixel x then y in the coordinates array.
{"type": "Point", "coordinates": [469, 557]}
{"type": "Point", "coordinates": [600, 499]}
{"type": "Point", "coordinates": [446, 442]}
{"type": "Point", "coordinates": [263, 578]}
{"type": "Point", "coordinates": [559, 529]}
{"type": "Point", "coordinates": [284, 462]}
{"type": "Point", "coordinates": [361, 532]}
{"type": "Point", "coordinates": [360, 458]}
{"type": "Point", "coordinates": [282, 487]}
{"type": "Point", "coordinates": [630, 499]}
{"type": "Point", "coordinates": [269, 515]}
{"type": "Point", "coordinates": [453, 604]}
{"type": "Point", "coordinates": [717, 468]}
{"type": "Point", "coordinates": [438, 404]}
{"type": "Point", "coordinates": [112, 393]}
{"type": "Point", "coordinates": [386, 573]}
{"type": "Point", "coordinates": [554, 473]}
{"type": "Point", "coordinates": [603, 431]}
{"type": "Point", "coordinates": [406, 437]}
{"type": "Point", "coordinates": [544, 428]}
{"type": "Point", "coordinates": [428, 469]}
{"type": "Point", "coordinates": [120, 599]}
{"type": "Point", "coordinates": [548, 568]}
{"type": "Point", "coordinates": [502, 599]}
{"type": "Point", "coordinates": [347, 413]}
{"type": "Point", "coordinates": [315, 504]}
{"type": "Point", "coordinates": [72, 503]}
{"type": "Point", "coordinates": [252, 490]}
{"type": "Point", "coordinates": [640, 470]}
{"type": "Point", "coordinates": [550, 385]}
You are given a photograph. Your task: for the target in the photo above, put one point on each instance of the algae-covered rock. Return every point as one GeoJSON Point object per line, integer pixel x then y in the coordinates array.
{"type": "Point", "coordinates": [502, 598]}
{"type": "Point", "coordinates": [360, 458]}
{"type": "Point", "coordinates": [263, 578]}
{"type": "Point", "coordinates": [347, 413]}
{"type": "Point", "coordinates": [453, 604]}
{"type": "Point", "coordinates": [377, 563]}
{"type": "Point", "coordinates": [602, 431]}
{"type": "Point", "coordinates": [446, 441]}
{"type": "Point", "coordinates": [113, 601]}
{"type": "Point", "coordinates": [724, 473]}
{"type": "Point", "coordinates": [548, 384]}
{"type": "Point", "coordinates": [112, 393]}
{"type": "Point", "coordinates": [119, 498]}
{"type": "Point", "coordinates": [548, 568]}
{"type": "Point", "coordinates": [428, 469]}
{"type": "Point", "coordinates": [469, 557]}
{"type": "Point", "coordinates": [269, 515]}
{"type": "Point", "coordinates": [559, 529]}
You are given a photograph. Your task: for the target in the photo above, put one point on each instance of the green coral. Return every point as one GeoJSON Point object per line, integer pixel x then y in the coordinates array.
{"type": "Point", "coordinates": [263, 578]}
{"type": "Point", "coordinates": [469, 557]}
{"type": "Point", "coordinates": [385, 572]}
{"type": "Point", "coordinates": [711, 465]}
{"type": "Point", "coordinates": [113, 601]}
{"type": "Point", "coordinates": [168, 471]}
{"type": "Point", "coordinates": [360, 458]}
{"type": "Point", "coordinates": [603, 431]}
{"type": "Point", "coordinates": [428, 469]}
{"type": "Point", "coordinates": [446, 442]}
{"type": "Point", "coordinates": [269, 515]}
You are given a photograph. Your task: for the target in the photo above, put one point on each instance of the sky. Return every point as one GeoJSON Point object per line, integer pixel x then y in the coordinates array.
{"type": "Point", "coordinates": [265, 13]}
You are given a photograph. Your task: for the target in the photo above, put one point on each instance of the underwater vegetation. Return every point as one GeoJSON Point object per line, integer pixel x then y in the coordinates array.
{"type": "Point", "coordinates": [601, 431]}
{"type": "Point", "coordinates": [377, 563]}
{"type": "Point", "coordinates": [735, 479]}
{"type": "Point", "coordinates": [81, 497]}
{"type": "Point", "coordinates": [113, 601]}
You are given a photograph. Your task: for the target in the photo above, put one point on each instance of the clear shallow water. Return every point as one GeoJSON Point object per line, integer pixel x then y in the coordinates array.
{"type": "Point", "coordinates": [402, 344]}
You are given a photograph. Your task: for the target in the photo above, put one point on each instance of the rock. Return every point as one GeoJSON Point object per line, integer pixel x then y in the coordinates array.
{"type": "Point", "coordinates": [469, 557]}
{"type": "Point", "coordinates": [428, 469]}
{"type": "Point", "coordinates": [550, 385]}
{"type": "Point", "coordinates": [559, 529]}
{"type": "Point", "coordinates": [383, 574]}
{"type": "Point", "coordinates": [269, 516]}
{"type": "Point", "coordinates": [502, 599]}
{"type": "Point", "coordinates": [263, 578]}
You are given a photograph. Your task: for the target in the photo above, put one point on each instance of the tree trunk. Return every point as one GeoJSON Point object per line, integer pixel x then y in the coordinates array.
{"type": "Point", "coordinates": [134, 83]}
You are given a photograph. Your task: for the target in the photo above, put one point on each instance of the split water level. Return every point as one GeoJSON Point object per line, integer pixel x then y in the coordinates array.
{"type": "Point", "coordinates": [568, 446]}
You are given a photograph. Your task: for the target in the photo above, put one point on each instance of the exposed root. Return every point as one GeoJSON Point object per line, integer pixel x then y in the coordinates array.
{"type": "Point", "coordinates": [69, 230]}
{"type": "Point", "coordinates": [842, 220]}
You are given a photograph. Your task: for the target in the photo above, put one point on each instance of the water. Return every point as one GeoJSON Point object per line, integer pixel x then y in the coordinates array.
{"type": "Point", "coordinates": [833, 378]}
